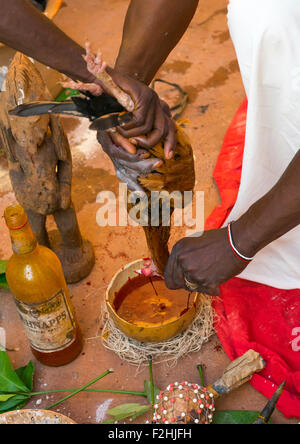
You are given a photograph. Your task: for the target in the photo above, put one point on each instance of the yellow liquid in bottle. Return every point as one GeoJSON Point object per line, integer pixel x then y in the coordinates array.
{"type": "Point", "coordinates": [36, 279]}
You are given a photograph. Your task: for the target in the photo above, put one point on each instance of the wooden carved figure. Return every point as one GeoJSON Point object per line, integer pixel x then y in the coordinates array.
{"type": "Point", "coordinates": [40, 167]}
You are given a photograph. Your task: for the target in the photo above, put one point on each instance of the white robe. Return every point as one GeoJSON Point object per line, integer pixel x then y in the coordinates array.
{"type": "Point", "coordinates": [266, 35]}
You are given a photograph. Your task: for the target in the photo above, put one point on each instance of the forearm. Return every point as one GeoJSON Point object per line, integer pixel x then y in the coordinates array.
{"type": "Point", "coordinates": [152, 29]}
{"type": "Point", "coordinates": [25, 29]}
{"type": "Point", "coordinates": [274, 215]}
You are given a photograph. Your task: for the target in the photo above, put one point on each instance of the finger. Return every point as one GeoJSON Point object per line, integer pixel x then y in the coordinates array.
{"type": "Point", "coordinates": [140, 130]}
{"type": "Point", "coordinates": [173, 275]}
{"type": "Point", "coordinates": [170, 142]}
{"type": "Point", "coordinates": [143, 166]}
{"type": "Point", "coordinates": [139, 127]}
{"type": "Point", "coordinates": [166, 108]}
{"type": "Point", "coordinates": [112, 149]}
{"type": "Point", "coordinates": [124, 143]}
{"type": "Point", "coordinates": [115, 152]}
{"type": "Point", "coordinates": [160, 128]}
{"type": "Point", "coordinates": [104, 139]}
{"type": "Point", "coordinates": [130, 181]}
{"type": "Point", "coordinates": [143, 154]}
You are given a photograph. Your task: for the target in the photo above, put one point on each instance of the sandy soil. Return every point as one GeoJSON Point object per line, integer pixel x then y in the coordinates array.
{"type": "Point", "coordinates": [204, 64]}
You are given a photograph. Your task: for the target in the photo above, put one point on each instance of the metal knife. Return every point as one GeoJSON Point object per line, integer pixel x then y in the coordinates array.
{"type": "Point", "coordinates": [104, 111]}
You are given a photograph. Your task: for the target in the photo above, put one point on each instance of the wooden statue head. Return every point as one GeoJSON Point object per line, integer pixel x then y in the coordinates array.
{"type": "Point", "coordinates": [24, 84]}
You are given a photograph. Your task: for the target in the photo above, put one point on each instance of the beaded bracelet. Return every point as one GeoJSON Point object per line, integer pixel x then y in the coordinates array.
{"type": "Point", "coordinates": [234, 249]}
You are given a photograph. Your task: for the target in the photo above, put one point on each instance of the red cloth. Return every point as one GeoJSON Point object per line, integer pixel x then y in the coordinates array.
{"type": "Point", "coordinates": [252, 315]}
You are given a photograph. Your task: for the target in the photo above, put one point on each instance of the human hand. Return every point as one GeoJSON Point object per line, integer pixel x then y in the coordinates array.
{"type": "Point", "coordinates": [128, 167]}
{"type": "Point", "coordinates": [207, 261]}
{"type": "Point", "coordinates": [152, 120]}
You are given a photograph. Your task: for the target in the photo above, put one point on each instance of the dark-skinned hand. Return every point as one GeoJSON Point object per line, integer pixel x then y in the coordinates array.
{"type": "Point", "coordinates": [128, 166]}
{"type": "Point", "coordinates": [207, 261]}
{"type": "Point", "coordinates": [152, 121]}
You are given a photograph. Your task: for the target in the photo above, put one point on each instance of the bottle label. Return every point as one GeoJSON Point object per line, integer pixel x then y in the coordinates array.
{"type": "Point", "coordinates": [50, 325]}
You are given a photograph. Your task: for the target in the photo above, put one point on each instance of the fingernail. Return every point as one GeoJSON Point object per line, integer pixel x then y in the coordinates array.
{"type": "Point", "coordinates": [158, 164]}
{"type": "Point", "coordinates": [145, 156]}
{"type": "Point", "coordinates": [133, 141]}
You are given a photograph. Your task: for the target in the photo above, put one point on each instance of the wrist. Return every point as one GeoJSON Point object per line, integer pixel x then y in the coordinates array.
{"type": "Point", "coordinates": [133, 72]}
{"type": "Point", "coordinates": [138, 68]}
{"type": "Point", "coordinates": [245, 237]}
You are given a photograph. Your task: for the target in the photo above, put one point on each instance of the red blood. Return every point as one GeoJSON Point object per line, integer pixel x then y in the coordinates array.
{"type": "Point", "coordinates": [147, 272]}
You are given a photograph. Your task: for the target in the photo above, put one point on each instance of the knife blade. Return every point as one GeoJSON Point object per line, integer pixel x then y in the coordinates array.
{"type": "Point", "coordinates": [104, 110]}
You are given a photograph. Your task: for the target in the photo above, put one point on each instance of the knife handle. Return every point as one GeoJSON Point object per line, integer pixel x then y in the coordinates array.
{"type": "Point", "coordinates": [238, 373]}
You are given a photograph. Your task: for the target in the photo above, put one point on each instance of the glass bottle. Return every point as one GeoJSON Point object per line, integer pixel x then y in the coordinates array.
{"type": "Point", "coordinates": [35, 277]}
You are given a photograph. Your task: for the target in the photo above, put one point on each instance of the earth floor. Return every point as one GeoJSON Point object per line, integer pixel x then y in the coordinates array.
{"type": "Point", "coordinates": [204, 64]}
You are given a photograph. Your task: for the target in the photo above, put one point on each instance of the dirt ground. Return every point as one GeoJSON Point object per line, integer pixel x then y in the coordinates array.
{"type": "Point", "coordinates": [204, 64]}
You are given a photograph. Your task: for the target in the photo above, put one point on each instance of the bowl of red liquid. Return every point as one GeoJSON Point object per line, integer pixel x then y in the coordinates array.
{"type": "Point", "coordinates": [145, 309]}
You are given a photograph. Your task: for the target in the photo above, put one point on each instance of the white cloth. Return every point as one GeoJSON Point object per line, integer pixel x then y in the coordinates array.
{"type": "Point", "coordinates": [266, 35]}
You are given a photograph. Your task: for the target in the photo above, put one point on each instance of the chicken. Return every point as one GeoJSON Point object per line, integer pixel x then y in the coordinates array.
{"type": "Point", "coordinates": [176, 174]}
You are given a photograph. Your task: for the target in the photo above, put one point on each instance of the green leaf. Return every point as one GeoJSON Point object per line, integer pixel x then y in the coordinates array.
{"type": "Point", "coordinates": [147, 386]}
{"type": "Point", "coordinates": [65, 94]}
{"type": "Point", "coordinates": [9, 380]}
{"type": "Point", "coordinates": [126, 411]}
{"type": "Point", "coordinates": [4, 398]}
{"type": "Point", "coordinates": [235, 417]}
{"type": "Point", "coordinates": [3, 265]}
{"type": "Point", "coordinates": [17, 402]}
{"type": "Point", "coordinates": [12, 382]}
{"type": "Point", "coordinates": [26, 375]}
{"type": "Point", "coordinates": [3, 282]}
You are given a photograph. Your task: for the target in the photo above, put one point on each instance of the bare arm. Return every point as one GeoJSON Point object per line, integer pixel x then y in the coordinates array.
{"type": "Point", "coordinates": [25, 29]}
{"type": "Point", "coordinates": [152, 29]}
{"type": "Point", "coordinates": [275, 214]}
{"type": "Point", "coordinates": [209, 260]}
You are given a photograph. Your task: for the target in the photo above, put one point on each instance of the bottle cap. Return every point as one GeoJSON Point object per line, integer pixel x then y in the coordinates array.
{"type": "Point", "coordinates": [15, 217]}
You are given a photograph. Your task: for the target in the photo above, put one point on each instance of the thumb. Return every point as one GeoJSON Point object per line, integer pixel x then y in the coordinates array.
{"type": "Point", "coordinates": [104, 139]}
